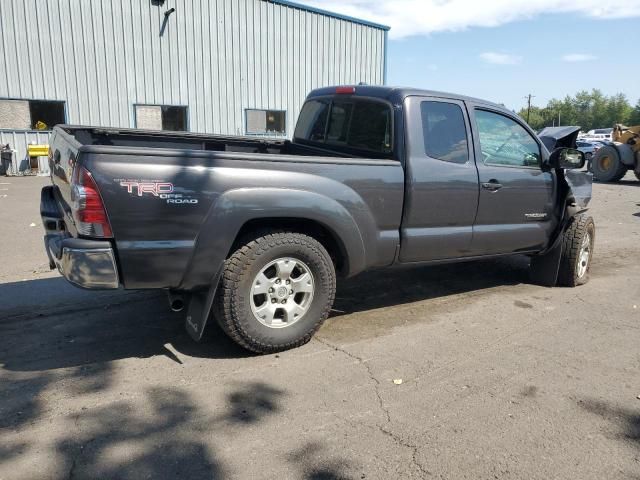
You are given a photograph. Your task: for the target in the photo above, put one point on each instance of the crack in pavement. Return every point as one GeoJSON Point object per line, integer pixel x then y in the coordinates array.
{"type": "Point", "coordinates": [403, 443]}
{"type": "Point", "coordinates": [372, 377]}
{"type": "Point", "coordinates": [396, 438]}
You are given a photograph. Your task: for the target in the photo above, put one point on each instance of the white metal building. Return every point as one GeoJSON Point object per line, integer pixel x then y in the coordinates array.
{"type": "Point", "coordinates": [221, 66]}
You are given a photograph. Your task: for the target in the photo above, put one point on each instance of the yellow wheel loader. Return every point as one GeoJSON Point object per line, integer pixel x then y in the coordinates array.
{"type": "Point", "coordinates": [611, 162]}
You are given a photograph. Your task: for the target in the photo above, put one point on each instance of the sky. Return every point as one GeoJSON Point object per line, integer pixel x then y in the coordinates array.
{"type": "Point", "coordinates": [503, 50]}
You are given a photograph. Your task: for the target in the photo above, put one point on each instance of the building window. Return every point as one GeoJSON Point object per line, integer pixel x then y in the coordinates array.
{"type": "Point", "coordinates": [161, 117]}
{"type": "Point", "coordinates": [31, 114]}
{"type": "Point", "coordinates": [266, 122]}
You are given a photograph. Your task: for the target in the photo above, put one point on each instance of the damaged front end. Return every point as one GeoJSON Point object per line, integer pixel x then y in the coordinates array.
{"type": "Point", "coordinates": [574, 195]}
{"type": "Point", "coordinates": [577, 183]}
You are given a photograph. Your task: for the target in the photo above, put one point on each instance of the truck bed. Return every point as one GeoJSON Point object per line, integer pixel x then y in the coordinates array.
{"type": "Point", "coordinates": [193, 141]}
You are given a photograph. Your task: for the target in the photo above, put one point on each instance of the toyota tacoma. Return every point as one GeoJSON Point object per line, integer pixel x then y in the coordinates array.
{"type": "Point", "coordinates": [252, 232]}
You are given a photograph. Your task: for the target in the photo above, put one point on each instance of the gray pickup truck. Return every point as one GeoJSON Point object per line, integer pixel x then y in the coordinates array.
{"type": "Point", "coordinates": [253, 231]}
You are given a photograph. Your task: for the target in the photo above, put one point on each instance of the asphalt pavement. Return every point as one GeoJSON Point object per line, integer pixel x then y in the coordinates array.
{"type": "Point", "coordinates": [464, 371]}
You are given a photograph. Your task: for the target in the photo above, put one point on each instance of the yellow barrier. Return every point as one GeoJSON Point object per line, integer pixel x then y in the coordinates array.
{"type": "Point", "coordinates": [38, 150]}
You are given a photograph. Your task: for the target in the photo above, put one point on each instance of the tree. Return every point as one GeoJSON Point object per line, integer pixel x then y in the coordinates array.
{"type": "Point", "coordinates": [634, 116]}
{"type": "Point", "coordinates": [589, 110]}
{"type": "Point", "coordinates": [619, 110]}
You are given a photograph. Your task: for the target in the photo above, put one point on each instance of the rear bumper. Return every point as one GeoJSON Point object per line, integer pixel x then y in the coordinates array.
{"type": "Point", "coordinates": [85, 263]}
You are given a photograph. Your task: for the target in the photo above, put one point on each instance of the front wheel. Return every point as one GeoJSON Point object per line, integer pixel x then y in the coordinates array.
{"type": "Point", "coordinates": [577, 251]}
{"type": "Point", "coordinates": [276, 291]}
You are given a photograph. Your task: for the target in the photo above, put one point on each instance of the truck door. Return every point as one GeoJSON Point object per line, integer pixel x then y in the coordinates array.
{"type": "Point", "coordinates": [516, 201]}
{"type": "Point", "coordinates": [441, 192]}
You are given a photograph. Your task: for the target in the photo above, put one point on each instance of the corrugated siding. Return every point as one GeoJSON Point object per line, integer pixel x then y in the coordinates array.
{"type": "Point", "coordinates": [19, 141]}
{"type": "Point", "coordinates": [218, 57]}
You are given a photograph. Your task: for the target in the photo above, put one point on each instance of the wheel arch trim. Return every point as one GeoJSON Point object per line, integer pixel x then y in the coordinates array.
{"type": "Point", "coordinates": [235, 208]}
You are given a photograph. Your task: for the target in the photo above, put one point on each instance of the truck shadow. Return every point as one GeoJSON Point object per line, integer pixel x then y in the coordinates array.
{"type": "Point", "coordinates": [385, 288]}
{"type": "Point", "coordinates": [82, 329]}
{"type": "Point", "coordinates": [630, 183]}
{"type": "Point", "coordinates": [48, 324]}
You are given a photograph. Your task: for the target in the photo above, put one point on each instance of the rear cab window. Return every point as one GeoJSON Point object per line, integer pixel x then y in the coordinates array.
{"type": "Point", "coordinates": [444, 131]}
{"type": "Point", "coordinates": [359, 126]}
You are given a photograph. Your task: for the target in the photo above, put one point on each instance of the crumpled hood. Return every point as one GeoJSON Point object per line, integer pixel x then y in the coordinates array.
{"type": "Point", "coordinates": [579, 182]}
{"type": "Point", "coordinates": [557, 137]}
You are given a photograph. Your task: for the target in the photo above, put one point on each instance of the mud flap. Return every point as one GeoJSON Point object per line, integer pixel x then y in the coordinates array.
{"type": "Point", "coordinates": [199, 311]}
{"type": "Point", "coordinates": [544, 268]}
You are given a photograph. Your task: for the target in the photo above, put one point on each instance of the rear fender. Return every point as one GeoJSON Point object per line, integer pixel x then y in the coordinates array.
{"type": "Point", "coordinates": [235, 208]}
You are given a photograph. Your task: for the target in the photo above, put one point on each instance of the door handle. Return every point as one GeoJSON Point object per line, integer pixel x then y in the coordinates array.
{"type": "Point", "coordinates": [492, 185]}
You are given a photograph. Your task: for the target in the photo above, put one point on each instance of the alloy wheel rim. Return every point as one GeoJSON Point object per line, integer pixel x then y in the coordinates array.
{"type": "Point", "coordinates": [282, 292]}
{"type": "Point", "coordinates": [585, 254]}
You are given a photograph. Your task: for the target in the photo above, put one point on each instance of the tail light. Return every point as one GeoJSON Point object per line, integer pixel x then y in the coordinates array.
{"type": "Point", "coordinates": [88, 208]}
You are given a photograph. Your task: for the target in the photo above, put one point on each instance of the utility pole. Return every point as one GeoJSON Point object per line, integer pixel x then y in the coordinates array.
{"type": "Point", "coordinates": [529, 97]}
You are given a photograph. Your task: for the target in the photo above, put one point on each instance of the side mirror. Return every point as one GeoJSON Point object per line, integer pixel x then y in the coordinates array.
{"type": "Point", "coordinates": [568, 158]}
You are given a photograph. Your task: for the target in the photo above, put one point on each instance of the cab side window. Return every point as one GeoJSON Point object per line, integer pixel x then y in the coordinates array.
{"type": "Point", "coordinates": [445, 134]}
{"type": "Point", "coordinates": [504, 141]}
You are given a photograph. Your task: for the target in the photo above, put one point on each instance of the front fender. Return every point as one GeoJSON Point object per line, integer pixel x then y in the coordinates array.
{"type": "Point", "coordinates": [574, 194]}
{"type": "Point", "coordinates": [579, 185]}
{"type": "Point", "coordinates": [235, 208]}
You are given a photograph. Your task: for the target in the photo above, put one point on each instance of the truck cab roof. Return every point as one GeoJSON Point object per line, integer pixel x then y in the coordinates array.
{"type": "Point", "coordinates": [396, 94]}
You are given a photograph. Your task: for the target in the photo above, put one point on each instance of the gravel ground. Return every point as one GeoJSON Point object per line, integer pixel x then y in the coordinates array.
{"type": "Point", "coordinates": [500, 378]}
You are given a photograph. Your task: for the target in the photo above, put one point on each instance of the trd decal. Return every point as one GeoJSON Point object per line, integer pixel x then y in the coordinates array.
{"type": "Point", "coordinates": [162, 190]}
{"type": "Point", "coordinates": [154, 188]}
{"type": "Point", "coordinates": [178, 198]}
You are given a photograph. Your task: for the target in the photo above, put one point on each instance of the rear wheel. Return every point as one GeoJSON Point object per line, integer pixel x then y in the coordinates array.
{"type": "Point", "coordinates": [276, 292]}
{"type": "Point", "coordinates": [577, 251]}
{"type": "Point", "coordinates": [607, 166]}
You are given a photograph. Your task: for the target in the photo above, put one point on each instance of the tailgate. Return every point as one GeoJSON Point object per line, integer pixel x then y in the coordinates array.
{"type": "Point", "coordinates": [62, 160]}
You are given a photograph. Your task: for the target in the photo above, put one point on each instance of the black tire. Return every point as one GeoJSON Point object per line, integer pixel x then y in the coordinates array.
{"type": "Point", "coordinates": [572, 246]}
{"type": "Point", "coordinates": [607, 166]}
{"type": "Point", "coordinates": [637, 174]}
{"type": "Point", "coordinates": [233, 309]}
